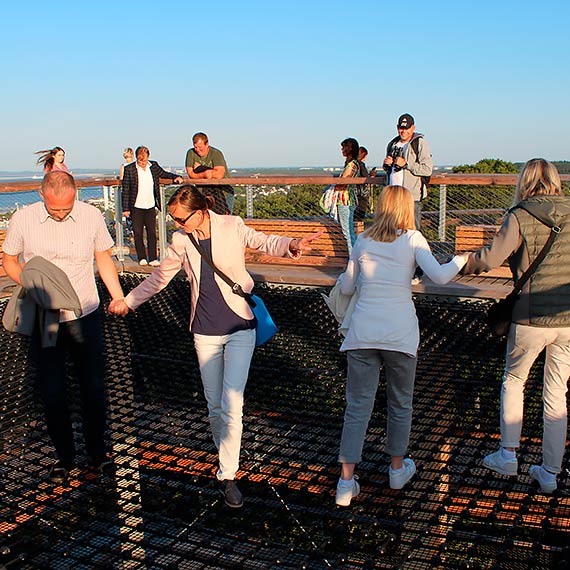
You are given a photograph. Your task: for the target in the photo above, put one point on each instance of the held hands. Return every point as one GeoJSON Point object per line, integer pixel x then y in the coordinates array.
{"type": "Point", "coordinates": [299, 245]}
{"type": "Point", "coordinates": [118, 307]}
{"type": "Point", "coordinates": [400, 161]}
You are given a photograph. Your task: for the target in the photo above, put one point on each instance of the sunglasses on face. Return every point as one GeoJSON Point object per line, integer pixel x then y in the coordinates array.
{"type": "Point", "coordinates": [182, 221]}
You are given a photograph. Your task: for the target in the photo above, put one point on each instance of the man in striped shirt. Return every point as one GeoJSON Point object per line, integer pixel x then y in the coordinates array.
{"type": "Point", "coordinates": [70, 234]}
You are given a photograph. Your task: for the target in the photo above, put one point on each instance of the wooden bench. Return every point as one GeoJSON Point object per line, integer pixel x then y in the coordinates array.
{"type": "Point", "coordinates": [330, 249]}
{"type": "Point", "coordinates": [474, 236]}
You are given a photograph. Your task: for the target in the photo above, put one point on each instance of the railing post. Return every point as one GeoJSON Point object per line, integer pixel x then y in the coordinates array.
{"type": "Point", "coordinates": [249, 201]}
{"type": "Point", "coordinates": [442, 211]}
{"type": "Point", "coordinates": [106, 203]}
{"type": "Point", "coordinates": [119, 236]}
{"type": "Point", "coordinates": [162, 239]}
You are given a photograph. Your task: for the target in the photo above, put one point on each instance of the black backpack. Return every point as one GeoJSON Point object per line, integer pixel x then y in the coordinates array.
{"type": "Point", "coordinates": [415, 145]}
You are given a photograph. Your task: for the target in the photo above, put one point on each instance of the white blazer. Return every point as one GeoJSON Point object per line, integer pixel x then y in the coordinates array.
{"type": "Point", "coordinates": [230, 237]}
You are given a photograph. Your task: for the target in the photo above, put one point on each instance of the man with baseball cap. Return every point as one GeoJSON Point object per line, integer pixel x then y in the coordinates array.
{"type": "Point", "coordinates": [408, 162]}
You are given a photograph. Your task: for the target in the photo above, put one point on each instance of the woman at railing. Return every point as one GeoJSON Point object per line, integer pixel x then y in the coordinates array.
{"type": "Point", "coordinates": [222, 322]}
{"type": "Point", "coordinates": [346, 194]}
{"type": "Point", "coordinates": [52, 159]}
{"type": "Point", "coordinates": [383, 331]}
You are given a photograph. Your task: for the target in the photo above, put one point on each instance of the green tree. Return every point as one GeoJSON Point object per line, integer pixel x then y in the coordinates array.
{"type": "Point", "coordinates": [487, 166]}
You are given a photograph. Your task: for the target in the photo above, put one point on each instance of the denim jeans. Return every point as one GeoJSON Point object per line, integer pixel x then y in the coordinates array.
{"type": "Point", "coordinates": [363, 379]}
{"type": "Point", "coordinates": [82, 340]}
{"type": "Point", "coordinates": [524, 344]}
{"type": "Point", "coordinates": [224, 366]}
{"type": "Point", "coordinates": [346, 220]}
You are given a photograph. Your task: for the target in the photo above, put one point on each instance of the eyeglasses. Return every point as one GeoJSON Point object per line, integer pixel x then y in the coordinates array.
{"type": "Point", "coordinates": [182, 221]}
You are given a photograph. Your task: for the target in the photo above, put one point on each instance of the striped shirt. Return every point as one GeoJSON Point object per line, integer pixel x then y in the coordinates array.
{"type": "Point", "coordinates": [69, 244]}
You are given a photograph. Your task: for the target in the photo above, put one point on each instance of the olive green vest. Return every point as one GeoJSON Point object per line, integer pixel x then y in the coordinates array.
{"type": "Point", "coordinates": [545, 300]}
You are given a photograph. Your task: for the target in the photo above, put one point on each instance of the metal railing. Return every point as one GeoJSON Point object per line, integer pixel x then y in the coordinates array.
{"type": "Point", "coordinates": [452, 201]}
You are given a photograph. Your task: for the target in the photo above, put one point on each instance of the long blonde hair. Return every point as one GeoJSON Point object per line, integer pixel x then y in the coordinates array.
{"type": "Point", "coordinates": [394, 215]}
{"type": "Point", "coordinates": [538, 176]}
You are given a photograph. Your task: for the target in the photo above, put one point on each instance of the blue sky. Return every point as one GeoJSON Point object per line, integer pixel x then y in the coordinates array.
{"type": "Point", "coordinates": [282, 83]}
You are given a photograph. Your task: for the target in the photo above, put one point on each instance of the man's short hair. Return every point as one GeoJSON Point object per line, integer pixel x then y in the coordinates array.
{"type": "Point", "coordinates": [142, 149]}
{"type": "Point", "coordinates": [200, 137]}
{"type": "Point", "coordinates": [58, 183]}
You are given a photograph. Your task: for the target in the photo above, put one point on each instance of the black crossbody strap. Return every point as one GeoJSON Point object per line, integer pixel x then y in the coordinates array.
{"type": "Point", "coordinates": [554, 231]}
{"type": "Point", "coordinates": [235, 287]}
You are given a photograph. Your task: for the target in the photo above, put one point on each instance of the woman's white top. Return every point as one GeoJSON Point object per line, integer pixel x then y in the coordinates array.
{"type": "Point", "coordinates": [384, 316]}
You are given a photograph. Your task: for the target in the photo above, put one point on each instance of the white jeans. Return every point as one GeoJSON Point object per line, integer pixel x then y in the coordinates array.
{"type": "Point", "coordinates": [523, 347]}
{"type": "Point", "coordinates": [224, 366]}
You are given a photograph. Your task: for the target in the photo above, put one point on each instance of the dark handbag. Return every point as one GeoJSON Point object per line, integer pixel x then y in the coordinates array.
{"type": "Point", "coordinates": [266, 327]}
{"type": "Point", "coordinates": [500, 315]}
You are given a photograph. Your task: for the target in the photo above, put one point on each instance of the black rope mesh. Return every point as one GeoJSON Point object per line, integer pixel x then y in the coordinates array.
{"type": "Point", "coordinates": [161, 507]}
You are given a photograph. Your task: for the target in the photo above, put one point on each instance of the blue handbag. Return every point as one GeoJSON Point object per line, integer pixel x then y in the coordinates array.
{"type": "Point", "coordinates": [266, 327]}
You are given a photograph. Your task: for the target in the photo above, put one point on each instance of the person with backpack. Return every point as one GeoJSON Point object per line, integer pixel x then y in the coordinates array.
{"type": "Point", "coordinates": [408, 162]}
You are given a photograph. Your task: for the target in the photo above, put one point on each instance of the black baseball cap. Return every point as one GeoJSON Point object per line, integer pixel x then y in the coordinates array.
{"type": "Point", "coordinates": [405, 121]}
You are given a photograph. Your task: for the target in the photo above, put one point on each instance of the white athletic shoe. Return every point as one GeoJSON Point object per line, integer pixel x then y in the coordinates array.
{"type": "Point", "coordinates": [545, 479]}
{"type": "Point", "coordinates": [399, 477]}
{"type": "Point", "coordinates": [346, 491]}
{"type": "Point", "coordinates": [497, 463]}
{"type": "Point", "coordinates": [143, 262]}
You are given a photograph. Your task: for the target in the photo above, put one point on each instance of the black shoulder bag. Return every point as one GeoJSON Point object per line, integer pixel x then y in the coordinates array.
{"type": "Point", "coordinates": [500, 314]}
{"type": "Point", "coordinates": [266, 328]}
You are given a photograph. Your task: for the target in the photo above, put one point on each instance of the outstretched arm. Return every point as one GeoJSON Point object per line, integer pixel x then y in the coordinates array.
{"type": "Point", "coordinates": [299, 245]}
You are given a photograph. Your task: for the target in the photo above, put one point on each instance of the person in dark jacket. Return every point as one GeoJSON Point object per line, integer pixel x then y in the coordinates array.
{"type": "Point", "coordinates": [541, 317]}
{"type": "Point", "coordinates": [141, 195]}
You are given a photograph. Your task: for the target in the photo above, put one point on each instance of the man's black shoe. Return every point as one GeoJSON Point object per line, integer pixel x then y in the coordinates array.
{"type": "Point", "coordinates": [231, 493]}
{"type": "Point", "coordinates": [58, 473]}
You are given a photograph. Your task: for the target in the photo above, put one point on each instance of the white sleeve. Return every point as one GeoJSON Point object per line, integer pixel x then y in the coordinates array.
{"type": "Point", "coordinates": [439, 274]}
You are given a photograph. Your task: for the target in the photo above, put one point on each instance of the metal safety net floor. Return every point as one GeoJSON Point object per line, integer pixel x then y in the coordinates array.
{"type": "Point", "coordinates": [161, 509]}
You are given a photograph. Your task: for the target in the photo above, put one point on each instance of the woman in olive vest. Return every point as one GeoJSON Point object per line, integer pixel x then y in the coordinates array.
{"type": "Point", "coordinates": [541, 316]}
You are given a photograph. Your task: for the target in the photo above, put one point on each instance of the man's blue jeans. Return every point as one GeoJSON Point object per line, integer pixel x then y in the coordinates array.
{"type": "Point", "coordinates": [82, 341]}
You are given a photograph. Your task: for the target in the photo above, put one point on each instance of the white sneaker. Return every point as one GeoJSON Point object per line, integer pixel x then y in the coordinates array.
{"type": "Point", "coordinates": [496, 462]}
{"type": "Point", "coordinates": [545, 479]}
{"type": "Point", "coordinates": [143, 262]}
{"type": "Point", "coordinates": [346, 492]}
{"type": "Point", "coordinates": [399, 477]}
{"type": "Point", "coordinates": [154, 263]}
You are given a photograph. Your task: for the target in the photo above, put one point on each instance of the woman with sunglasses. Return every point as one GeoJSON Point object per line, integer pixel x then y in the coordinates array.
{"type": "Point", "coordinates": [221, 321]}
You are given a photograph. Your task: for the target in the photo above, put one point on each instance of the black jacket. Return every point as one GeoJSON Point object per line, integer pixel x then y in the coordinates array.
{"type": "Point", "coordinates": [130, 184]}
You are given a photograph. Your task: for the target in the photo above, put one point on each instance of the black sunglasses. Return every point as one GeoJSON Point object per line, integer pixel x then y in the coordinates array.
{"type": "Point", "coordinates": [182, 221]}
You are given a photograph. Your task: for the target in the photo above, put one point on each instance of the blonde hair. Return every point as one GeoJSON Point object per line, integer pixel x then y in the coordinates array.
{"type": "Point", "coordinates": [538, 176]}
{"type": "Point", "coordinates": [394, 215]}
{"type": "Point", "coordinates": [128, 152]}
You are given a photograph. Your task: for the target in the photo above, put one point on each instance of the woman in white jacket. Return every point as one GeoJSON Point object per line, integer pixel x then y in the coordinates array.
{"type": "Point", "coordinates": [221, 321]}
{"type": "Point", "coordinates": [384, 331]}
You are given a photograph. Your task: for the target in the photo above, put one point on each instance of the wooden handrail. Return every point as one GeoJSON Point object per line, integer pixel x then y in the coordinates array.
{"type": "Point", "coordinates": [449, 179]}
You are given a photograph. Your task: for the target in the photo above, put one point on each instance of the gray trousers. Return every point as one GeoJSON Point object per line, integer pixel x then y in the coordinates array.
{"type": "Point", "coordinates": [363, 378]}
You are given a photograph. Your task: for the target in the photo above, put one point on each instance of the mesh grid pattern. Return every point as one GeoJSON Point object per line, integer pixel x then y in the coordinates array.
{"type": "Point", "coordinates": [161, 509]}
